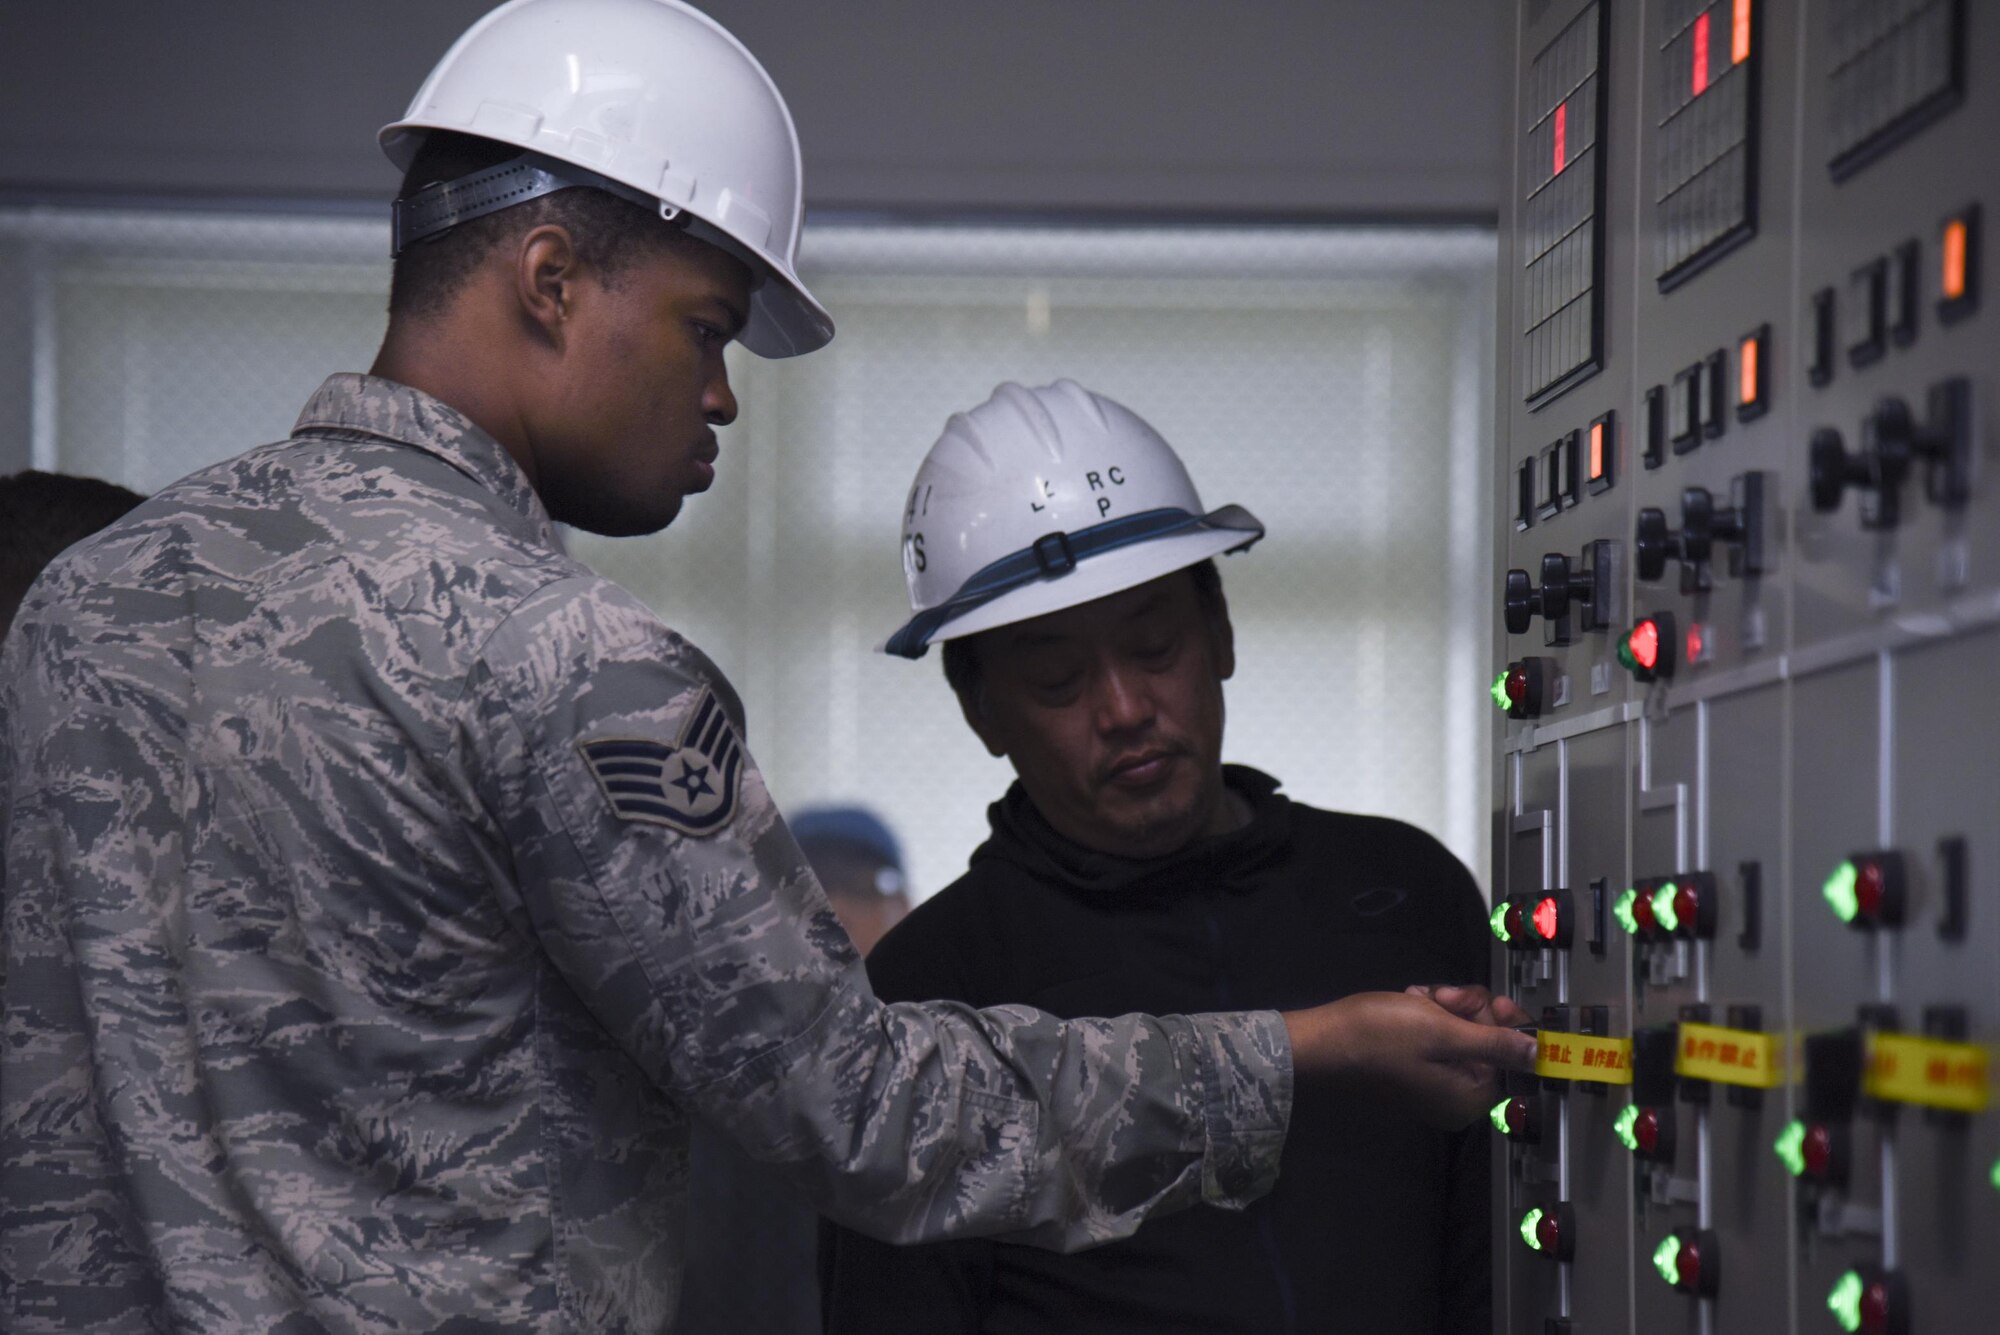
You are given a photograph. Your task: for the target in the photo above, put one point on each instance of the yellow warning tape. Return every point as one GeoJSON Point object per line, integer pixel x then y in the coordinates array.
{"type": "Point", "coordinates": [1745, 1057]}
{"type": "Point", "coordinates": [1607, 1061]}
{"type": "Point", "coordinates": [1930, 1072]}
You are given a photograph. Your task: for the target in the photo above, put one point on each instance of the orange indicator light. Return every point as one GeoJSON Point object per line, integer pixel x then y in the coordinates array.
{"type": "Point", "coordinates": [1596, 450]}
{"type": "Point", "coordinates": [1739, 34]}
{"type": "Point", "coordinates": [1954, 259]}
{"type": "Point", "coordinates": [1695, 643]}
{"type": "Point", "coordinates": [1746, 373]}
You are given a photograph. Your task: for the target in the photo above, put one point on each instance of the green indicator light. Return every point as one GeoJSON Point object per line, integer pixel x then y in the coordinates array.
{"type": "Point", "coordinates": [1663, 908]}
{"type": "Point", "coordinates": [1500, 696]}
{"type": "Point", "coordinates": [1622, 910]}
{"type": "Point", "coordinates": [1791, 1147]}
{"type": "Point", "coordinates": [1623, 1127]}
{"type": "Point", "coordinates": [1529, 1223]}
{"type": "Point", "coordinates": [1996, 1175]}
{"type": "Point", "coordinates": [1845, 1302]}
{"type": "Point", "coordinates": [1667, 1259]}
{"type": "Point", "coordinates": [1839, 891]}
{"type": "Point", "coordinates": [1499, 920]}
{"type": "Point", "coordinates": [1499, 1116]}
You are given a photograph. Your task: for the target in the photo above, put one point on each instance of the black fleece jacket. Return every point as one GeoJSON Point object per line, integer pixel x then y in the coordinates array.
{"type": "Point", "coordinates": [1378, 1225]}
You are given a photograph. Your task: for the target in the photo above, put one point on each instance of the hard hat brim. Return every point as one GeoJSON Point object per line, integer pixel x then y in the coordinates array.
{"type": "Point", "coordinates": [1230, 528]}
{"type": "Point", "coordinates": [785, 320]}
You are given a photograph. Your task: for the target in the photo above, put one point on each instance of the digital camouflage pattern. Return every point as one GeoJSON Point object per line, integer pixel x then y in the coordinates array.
{"type": "Point", "coordinates": [339, 996]}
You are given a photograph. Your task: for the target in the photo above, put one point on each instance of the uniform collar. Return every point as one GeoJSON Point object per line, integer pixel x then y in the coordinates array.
{"type": "Point", "coordinates": [370, 406]}
{"type": "Point", "coordinates": [1225, 862]}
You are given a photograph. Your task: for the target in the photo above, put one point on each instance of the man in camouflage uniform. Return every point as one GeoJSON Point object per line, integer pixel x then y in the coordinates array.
{"type": "Point", "coordinates": [384, 892]}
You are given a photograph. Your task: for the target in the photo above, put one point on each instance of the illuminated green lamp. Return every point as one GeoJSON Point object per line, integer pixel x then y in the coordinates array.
{"type": "Point", "coordinates": [1500, 696]}
{"type": "Point", "coordinates": [1621, 909]}
{"type": "Point", "coordinates": [1840, 893]}
{"type": "Point", "coordinates": [1667, 1259]}
{"type": "Point", "coordinates": [1791, 1147]}
{"type": "Point", "coordinates": [1623, 1127]}
{"type": "Point", "coordinates": [1498, 920]}
{"type": "Point", "coordinates": [1663, 907]}
{"type": "Point", "coordinates": [1499, 1116]}
{"type": "Point", "coordinates": [1996, 1175]}
{"type": "Point", "coordinates": [1845, 1301]}
{"type": "Point", "coordinates": [1531, 1223]}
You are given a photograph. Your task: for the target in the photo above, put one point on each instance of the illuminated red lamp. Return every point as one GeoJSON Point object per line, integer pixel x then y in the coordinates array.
{"type": "Point", "coordinates": [1647, 650]}
{"type": "Point", "coordinates": [1551, 920]}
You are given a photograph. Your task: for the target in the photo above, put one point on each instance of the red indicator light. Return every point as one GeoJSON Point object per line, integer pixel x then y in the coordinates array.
{"type": "Point", "coordinates": [1642, 913]}
{"type": "Point", "coordinates": [1517, 1116]}
{"type": "Point", "coordinates": [1562, 136]}
{"type": "Point", "coordinates": [1644, 642]}
{"type": "Point", "coordinates": [1517, 685]}
{"type": "Point", "coordinates": [1868, 889]}
{"type": "Point", "coordinates": [1686, 904]}
{"type": "Point", "coordinates": [1696, 642]}
{"type": "Point", "coordinates": [1701, 54]}
{"type": "Point", "coordinates": [1876, 1307]}
{"type": "Point", "coordinates": [1546, 914]}
{"type": "Point", "coordinates": [1596, 451]}
{"type": "Point", "coordinates": [1690, 1264]}
{"type": "Point", "coordinates": [1646, 1131]}
{"type": "Point", "coordinates": [1739, 34]}
{"type": "Point", "coordinates": [1818, 1151]}
{"type": "Point", "coordinates": [1548, 1232]}
{"type": "Point", "coordinates": [1515, 925]}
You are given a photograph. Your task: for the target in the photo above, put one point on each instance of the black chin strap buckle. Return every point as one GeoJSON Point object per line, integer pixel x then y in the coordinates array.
{"type": "Point", "coordinates": [1053, 554]}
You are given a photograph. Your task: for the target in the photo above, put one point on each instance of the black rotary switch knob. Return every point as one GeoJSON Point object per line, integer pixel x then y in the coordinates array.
{"type": "Point", "coordinates": [1739, 525]}
{"type": "Point", "coordinates": [1892, 442]}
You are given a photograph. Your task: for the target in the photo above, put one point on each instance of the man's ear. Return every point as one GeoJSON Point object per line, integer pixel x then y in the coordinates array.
{"type": "Point", "coordinates": [975, 719]}
{"type": "Point", "coordinates": [1224, 636]}
{"type": "Point", "coordinates": [546, 270]}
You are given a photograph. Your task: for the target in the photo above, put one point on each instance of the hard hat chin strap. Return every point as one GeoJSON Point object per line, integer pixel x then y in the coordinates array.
{"type": "Point", "coordinates": [1050, 556]}
{"type": "Point", "coordinates": [443, 205]}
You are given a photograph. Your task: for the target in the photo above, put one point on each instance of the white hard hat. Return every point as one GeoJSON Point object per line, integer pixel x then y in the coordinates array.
{"type": "Point", "coordinates": [1041, 499]}
{"type": "Point", "coordinates": [650, 99]}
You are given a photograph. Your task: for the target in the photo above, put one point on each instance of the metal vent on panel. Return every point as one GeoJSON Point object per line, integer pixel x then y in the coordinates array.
{"type": "Point", "coordinates": [1705, 145]}
{"type": "Point", "coordinates": [1892, 69]}
{"type": "Point", "coordinates": [1561, 221]}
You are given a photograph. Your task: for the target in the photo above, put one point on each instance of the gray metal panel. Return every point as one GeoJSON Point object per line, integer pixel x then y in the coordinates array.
{"type": "Point", "coordinates": [1840, 704]}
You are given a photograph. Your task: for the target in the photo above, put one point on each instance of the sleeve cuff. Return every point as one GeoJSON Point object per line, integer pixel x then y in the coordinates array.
{"type": "Point", "coordinates": [1244, 1064]}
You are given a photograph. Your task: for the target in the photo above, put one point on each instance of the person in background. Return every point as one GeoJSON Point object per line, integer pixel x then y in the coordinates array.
{"type": "Point", "coordinates": [860, 863]}
{"type": "Point", "coordinates": [750, 1259]}
{"type": "Point", "coordinates": [1056, 545]}
{"type": "Point", "coordinates": [41, 514]}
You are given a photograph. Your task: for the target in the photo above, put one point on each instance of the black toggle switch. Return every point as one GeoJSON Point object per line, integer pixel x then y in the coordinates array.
{"type": "Point", "coordinates": [1739, 526]}
{"type": "Point", "coordinates": [1891, 442]}
{"type": "Point", "coordinates": [1591, 588]}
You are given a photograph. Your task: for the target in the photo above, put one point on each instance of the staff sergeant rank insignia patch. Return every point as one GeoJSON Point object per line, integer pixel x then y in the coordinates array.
{"type": "Point", "coordinates": [690, 786]}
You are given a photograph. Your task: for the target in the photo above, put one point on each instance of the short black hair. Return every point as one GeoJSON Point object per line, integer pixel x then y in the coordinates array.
{"type": "Point", "coordinates": [961, 656]}
{"type": "Point", "coordinates": [41, 514]}
{"type": "Point", "coordinates": [609, 233]}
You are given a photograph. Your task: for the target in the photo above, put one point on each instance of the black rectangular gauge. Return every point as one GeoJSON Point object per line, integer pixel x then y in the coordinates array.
{"type": "Point", "coordinates": [1705, 56]}
{"type": "Point", "coordinates": [1562, 218]}
{"type": "Point", "coordinates": [1891, 70]}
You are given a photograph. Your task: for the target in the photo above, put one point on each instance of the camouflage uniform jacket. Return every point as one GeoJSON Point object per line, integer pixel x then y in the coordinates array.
{"type": "Point", "coordinates": [384, 892]}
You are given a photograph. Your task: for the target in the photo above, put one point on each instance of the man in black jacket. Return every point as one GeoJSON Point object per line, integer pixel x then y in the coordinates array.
{"type": "Point", "coordinates": [1129, 869]}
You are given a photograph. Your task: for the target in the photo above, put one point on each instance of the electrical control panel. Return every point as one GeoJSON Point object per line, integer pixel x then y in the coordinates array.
{"type": "Point", "coordinates": [1747, 826]}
